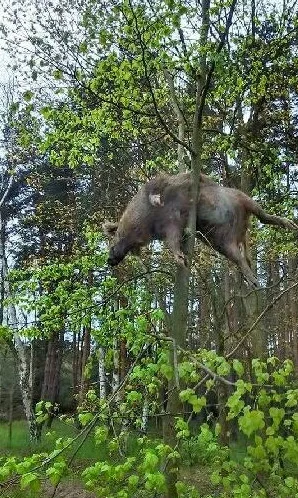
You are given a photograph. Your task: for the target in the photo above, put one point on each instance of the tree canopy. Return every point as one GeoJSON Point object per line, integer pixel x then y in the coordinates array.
{"type": "Point", "coordinates": [166, 368]}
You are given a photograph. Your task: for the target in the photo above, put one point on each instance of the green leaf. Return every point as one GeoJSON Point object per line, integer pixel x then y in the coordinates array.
{"type": "Point", "coordinates": [133, 481]}
{"type": "Point", "coordinates": [30, 480]}
{"type": "Point", "coordinates": [251, 422]}
{"type": "Point", "coordinates": [197, 403]}
{"type": "Point", "coordinates": [85, 418]}
{"type": "Point", "coordinates": [83, 47]}
{"type": "Point", "coordinates": [292, 398]}
{"type": "Point", "coordinates": [291, 482]}
{"type": "Point", "coordinates": [54, 475]}
{"type": "Point", "coordinates": [186, 394]}
{"type": "Point", "coordinates": [58, 75]}
{"type": "Point", "coordinates": [27, 95]}
{"type": "Point", "coordinates": [277, 414]}
{"type": "Point", "coordinates": [150, 461]}
{"type": "Point", "coordinates": [238, 367]}
{"type": "Point", "coordinates": [167, 370]}
{"type": "Point", "coordinates": [185, 368]}
{"type": "Point", "coordinates": [155, 482]}
{"type": "Point", "coordinates": [134, 397]}
{"type": "Point", "coordinates": [215, 478]}
{"type": "Point", "coordinates": [101, 434]}
{"type": "Point", "coordinates": [182, 428]}
{"type": "Point", "coordinates": [224, 368]}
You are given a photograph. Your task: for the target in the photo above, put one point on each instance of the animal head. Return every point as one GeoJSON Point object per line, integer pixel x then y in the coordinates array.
{"type": "Point", "coordinates": [120, 243]}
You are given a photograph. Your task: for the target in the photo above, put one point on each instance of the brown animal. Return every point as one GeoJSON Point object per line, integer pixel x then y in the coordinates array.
{"type": "Point", "coordinates": [160, 211]}
{"type": "Point", "coordinates": [147, 217]}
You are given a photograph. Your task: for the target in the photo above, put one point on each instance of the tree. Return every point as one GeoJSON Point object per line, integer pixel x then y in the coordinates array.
{"type": "Point", "coordinates": [143, 87]}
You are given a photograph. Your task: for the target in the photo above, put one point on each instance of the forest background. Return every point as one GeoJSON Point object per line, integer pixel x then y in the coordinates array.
{"type": "Point", "coordinates": [164, 367]}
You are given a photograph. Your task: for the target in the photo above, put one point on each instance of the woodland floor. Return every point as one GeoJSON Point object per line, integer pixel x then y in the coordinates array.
{"type": "Point", "coordinates": [71, 489]}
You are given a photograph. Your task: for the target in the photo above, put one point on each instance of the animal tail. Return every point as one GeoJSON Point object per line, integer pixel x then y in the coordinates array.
{"type": "Point", "coordinates": [253, 207]}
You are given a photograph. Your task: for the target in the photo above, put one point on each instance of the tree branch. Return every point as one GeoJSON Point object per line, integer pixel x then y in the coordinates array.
{"type": "Point", "coordinates": [268, 307]}
{"type": "Point", "coordinates": [212, 67]}
{"type": "Point", "coordinates": [155, 105]}
{"type": "Point", "coordinates": [6, 191]}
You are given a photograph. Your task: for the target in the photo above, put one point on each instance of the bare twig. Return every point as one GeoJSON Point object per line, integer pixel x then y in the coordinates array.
{"type": "Point", "coordinates": [6, 191]}
{"type": "Point", "coordinates": [213, 64]}
{"type": "Point", "coordinates": [268, 307]}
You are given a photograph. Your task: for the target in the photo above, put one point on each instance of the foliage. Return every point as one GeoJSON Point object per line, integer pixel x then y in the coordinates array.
{"type": "Point", "coordinates": [203, 449]}
{"type": "Point", "coordinates": [264, 409]}
{"type": "Point", "coordinates": [105, 86]}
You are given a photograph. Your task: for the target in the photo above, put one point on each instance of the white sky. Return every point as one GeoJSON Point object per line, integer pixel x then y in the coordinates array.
{"type": "Point", "coordinates": [4, 60]}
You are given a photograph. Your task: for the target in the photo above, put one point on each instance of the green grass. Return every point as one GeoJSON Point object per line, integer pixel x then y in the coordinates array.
{"type": "Point", "coordinates": [20, 444]}
{"type": "Point", "coordinates": [20, 438]}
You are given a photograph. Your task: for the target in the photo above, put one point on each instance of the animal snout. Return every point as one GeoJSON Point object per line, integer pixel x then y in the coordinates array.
{"type": "Point", "coordinates": [114, 257]}
{"type": "Point", "coordinates": [112, 261]}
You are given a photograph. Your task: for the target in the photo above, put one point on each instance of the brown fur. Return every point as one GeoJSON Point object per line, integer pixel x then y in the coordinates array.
{"type": "Point", "coordinates": [160, 211]}
{"type": "Point", "coordinates": [148, 218]}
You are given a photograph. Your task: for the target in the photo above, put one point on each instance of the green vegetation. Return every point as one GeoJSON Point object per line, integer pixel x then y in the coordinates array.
{"type": "Point", "coordinates": [269, 447]}
{"type": "Point", "coordinates": [20, 444]}
{"type": "Point", "coordinates": [155, 380]}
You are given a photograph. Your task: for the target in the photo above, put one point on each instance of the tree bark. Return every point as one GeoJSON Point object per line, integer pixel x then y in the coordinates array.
{"type": "Point", "coordinates": [101, 373]}
{"type": "Point", "coordinates": [179, 320]}
{"type": "Point", "coordinates": [52, 371]}
{"type": "Point", "coordinates": [24, 371]}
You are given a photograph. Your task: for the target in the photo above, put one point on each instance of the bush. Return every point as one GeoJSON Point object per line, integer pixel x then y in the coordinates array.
{"type": "Point", "coordinates": [201, 449]}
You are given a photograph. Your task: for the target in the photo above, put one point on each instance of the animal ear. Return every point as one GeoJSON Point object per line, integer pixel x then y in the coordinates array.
{"type": "Point", "coordinates": [109, 228]}
{"type": "Point", "coordinates": [155, 200]}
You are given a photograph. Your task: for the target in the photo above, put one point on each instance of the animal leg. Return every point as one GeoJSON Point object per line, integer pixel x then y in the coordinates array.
{"type": "Point", "coordinates": [269, 219]}
{"type": "Point", "coordinates": [243, 246]}
{"type": "Point", "coordinates": [233, 253]}
{"type": "Point", "coordinates": [173, 241]}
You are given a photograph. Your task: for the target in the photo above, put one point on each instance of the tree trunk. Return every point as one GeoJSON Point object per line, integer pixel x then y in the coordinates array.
{"type": "Point", "coordinates": [39, 347]}
{"type": "Point", "coordinates": [86, 342]}
{"type": "Point", "coordinates": [181, 288]}
{"type": "Point", "coordinates": [116, 379]}
{"type": "Point", "coordinates": [53, 363]}
{"type": "Point", "coordinates": [74, 363]}
{"type": "Point", "coordinates": [101, 373]}
{"type": "Point", "coordinates": [293, 307]}
{"type": "Point", "coordinates": [10, 414]}
{"type": "Point", "coordinates": [25, 374]}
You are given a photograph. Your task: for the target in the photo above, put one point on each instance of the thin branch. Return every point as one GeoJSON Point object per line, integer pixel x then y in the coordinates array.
{"type": "Point", "coordinates": [84, 432]}
{"type": "Point", "coordinates": [182, 39]}
{"type": "Point", "coordinates": [182, 121]}
{"type": "Point", "coordinates": [268, 307]}
{"type": "Point", "coordinates": [6, 191]}
{"type": "Point", "coordinates": [216, 376]}
{"type": "Point", "coordinates": [104, 301]}
{"type": "Point", "coordinates": [169, 79]}
{"type": "Point", "coordinates": [155, 105]}
{"type": "Point", "coordinates": [212, 67]}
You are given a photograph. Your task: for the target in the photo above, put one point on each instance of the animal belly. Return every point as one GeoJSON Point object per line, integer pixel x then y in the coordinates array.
{"type": "Point", "coordinates": [214, 226]}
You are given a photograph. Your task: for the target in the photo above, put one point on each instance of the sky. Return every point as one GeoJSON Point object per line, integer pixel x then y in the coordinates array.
{"type": "Point", "coordinates": [4, 60]}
